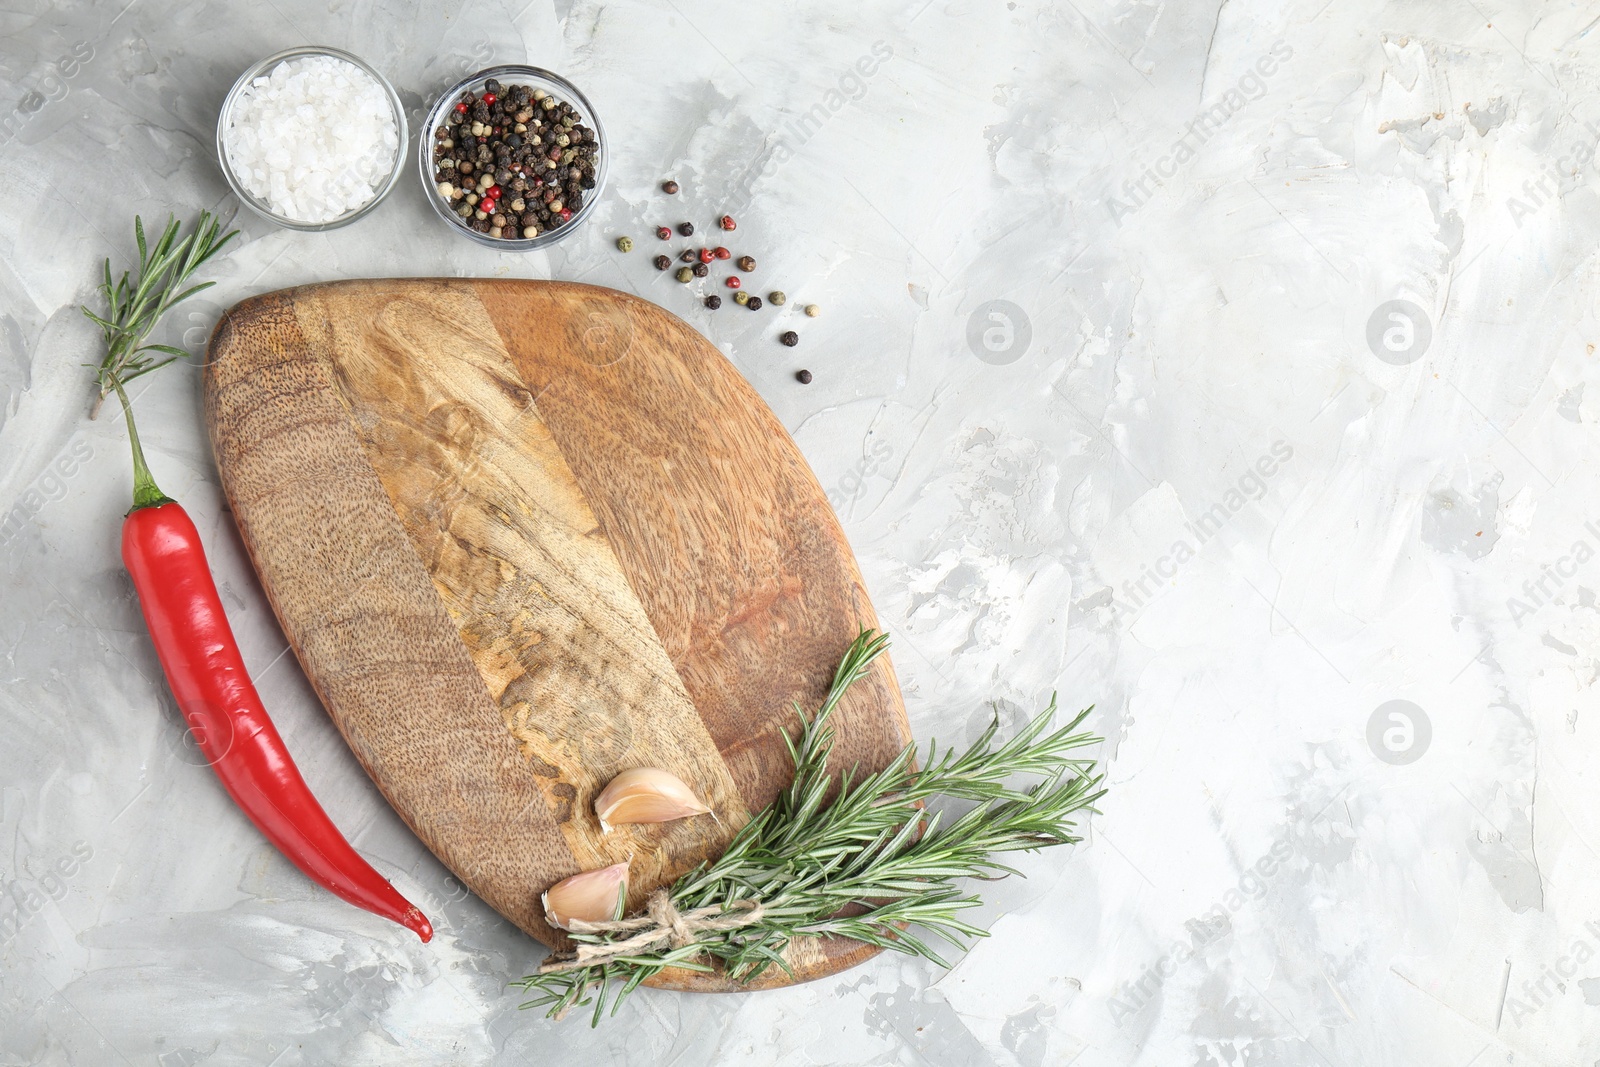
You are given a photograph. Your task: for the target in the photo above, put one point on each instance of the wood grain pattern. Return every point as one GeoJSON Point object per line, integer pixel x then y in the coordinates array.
{"type": "Point", "coordinates": [523, 535]}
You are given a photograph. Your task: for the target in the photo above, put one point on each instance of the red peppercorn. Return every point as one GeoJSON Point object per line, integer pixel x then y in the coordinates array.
{"type": "Point", "coordinates": [489, 99]}
{"type": "Point", "coordinates": [733, 281]}
{"type": "Point", "coordinates": [461, 109]}
{"type": "Point", "coordinates": [663, 233]}
{"type": "Point", "coordinates": [722, 253]}
{"type": "Point", "coordinates": [494, 192]}
{"type": "Point", "coordinates": [706, 255]}
{"type": "Point", "coordinates": [727, 223]}
{"type": "Point", "coordinates": [566, 214]}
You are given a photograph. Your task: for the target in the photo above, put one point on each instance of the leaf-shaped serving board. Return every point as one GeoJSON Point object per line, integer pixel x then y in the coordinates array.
{"type": "Point", "coordinates": [524, 535]}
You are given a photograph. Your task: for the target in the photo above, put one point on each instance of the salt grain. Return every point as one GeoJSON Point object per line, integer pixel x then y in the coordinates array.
{"type": "Point", "coordinates": [314, 138]}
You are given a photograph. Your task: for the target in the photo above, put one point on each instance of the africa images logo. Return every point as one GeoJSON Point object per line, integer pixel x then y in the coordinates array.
{"type": "Point", "coordinates": [1251, 86]}
{"type": "Point", "coordinates": [789, 138]}
{"type": "Point", "coordinates": [1137, 593]}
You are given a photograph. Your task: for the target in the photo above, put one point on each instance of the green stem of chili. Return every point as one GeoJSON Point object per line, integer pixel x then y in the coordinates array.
{"type": "Point", "coordinates": [146, 494]}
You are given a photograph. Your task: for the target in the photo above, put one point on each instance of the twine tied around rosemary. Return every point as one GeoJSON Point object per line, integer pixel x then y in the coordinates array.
{"type": "Point", "coordinates": [661, 924]}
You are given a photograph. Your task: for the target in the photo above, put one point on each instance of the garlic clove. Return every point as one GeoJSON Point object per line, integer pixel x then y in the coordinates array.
{"type": "Point", "coordinates": [593, 896]}
{"type": "Point", "coordinates": [646, 794]}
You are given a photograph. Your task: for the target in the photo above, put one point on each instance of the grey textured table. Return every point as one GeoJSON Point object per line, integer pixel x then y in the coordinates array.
{"type": "Point", "coordinates": [1224, 365]}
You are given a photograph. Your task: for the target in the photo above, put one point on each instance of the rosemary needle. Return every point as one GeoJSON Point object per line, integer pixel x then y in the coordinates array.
{"type": "Point", "coordinates": [869, 847]}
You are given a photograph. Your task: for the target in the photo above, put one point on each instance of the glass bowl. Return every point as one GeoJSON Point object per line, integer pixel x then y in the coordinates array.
{"type": "Point", "coordinates": [512, 74]}
{"type": "Point", "coordinates": [260, 206]}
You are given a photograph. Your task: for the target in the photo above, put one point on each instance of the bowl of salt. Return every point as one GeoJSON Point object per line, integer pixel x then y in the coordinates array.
{"type": "Point", "coordinates": [311, 138]}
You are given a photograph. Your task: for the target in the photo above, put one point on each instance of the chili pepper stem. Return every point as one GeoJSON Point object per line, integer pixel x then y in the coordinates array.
{"type": "Point", "coordinates": [146, 494]}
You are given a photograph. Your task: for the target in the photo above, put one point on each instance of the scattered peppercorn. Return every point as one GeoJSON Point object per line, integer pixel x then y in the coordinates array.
{"type": "Point", "coordinates": [686, 228]}
{"type": "Point", "coordinates": [669, 187]}
{"type": "Point", "coordinates": [727, 223]}
{"type": "Point", "coordinates": [663, 233]}
{"type": "Point", "coordinates": [721, 253]}
{"type": "Point", "coordinates": [624, 244]}
{"type": "Point", "coordinates": [754, 303]}
{"type": "Point", "coordinates": [663, 262]}
{"type": "Point", "coordinates": [741, 297]}
{"type": "Point", "coordinates": [803, 377]}
{"type": "Point", "coordinates": [690, 256]}
{"type": "Point", "coordinates": [685, 274]}
{"type": "Point", "coordinates": [733, 281]}
{"type": "Point", "coordinates": [812, 311]}
{"type": "Point", "coordinates": [747, 263]}
{"type": "Point", "coordinates": [706, 255]}
{"type": "Point", "coordinates": [789, 337]}
{"type": "Point", "coordinates": [777, 297]}
{"type": "Point", "coordinates": [713, 301]}
{"type": "Point", "coordinates": [700, 270]}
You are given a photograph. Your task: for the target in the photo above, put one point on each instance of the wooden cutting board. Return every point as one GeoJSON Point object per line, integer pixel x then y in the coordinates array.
{"type": "Point", "coordinates": [524, 535]}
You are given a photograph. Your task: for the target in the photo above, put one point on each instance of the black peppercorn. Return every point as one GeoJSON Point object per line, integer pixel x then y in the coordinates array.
{"type": "Point", "coordinates": [687, 229]}
{"type": "Point", "coordinates": [662, 262]}
{"type": "Point", "coordinates": [789, 337]}
{"type": "Point", "coordinates": [803, 377]}
{"type": "Point", "coordinates": [669, 187]}
{"type": "Point", "coordinates": [492, 87]}
{"type": "Point", "coordinates": [713, 301]}
{"type": "Point", "coordinates": [747, 263]}
{"type": "Point", "coordinates": [690, 256]}
{"type": "Point", "coordinates": [754, 303]}
{"type": "Point", "coordinates": [700, 270]}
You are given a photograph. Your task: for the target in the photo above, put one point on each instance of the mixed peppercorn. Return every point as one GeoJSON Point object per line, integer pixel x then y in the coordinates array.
{"type": "Point", "coordinates": [699, 261]}
{"type": "Point", "coordinates": [513, 162]}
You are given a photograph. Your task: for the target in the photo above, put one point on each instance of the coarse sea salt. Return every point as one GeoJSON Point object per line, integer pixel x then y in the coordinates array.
{"type": "Point", "coordinates": [314, 138]}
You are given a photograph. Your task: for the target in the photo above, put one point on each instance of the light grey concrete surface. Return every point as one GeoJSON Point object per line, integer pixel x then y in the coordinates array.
{"type": "Point", "coordinates": [1197, 469]}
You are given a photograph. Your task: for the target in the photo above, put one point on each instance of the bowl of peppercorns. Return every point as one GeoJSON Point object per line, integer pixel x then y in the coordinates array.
{"type": "Point", "coordinates": [513, 157]}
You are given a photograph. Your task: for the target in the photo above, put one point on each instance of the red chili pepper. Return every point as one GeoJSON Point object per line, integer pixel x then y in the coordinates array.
{"type": "Point", "coordinates": [192, 638]}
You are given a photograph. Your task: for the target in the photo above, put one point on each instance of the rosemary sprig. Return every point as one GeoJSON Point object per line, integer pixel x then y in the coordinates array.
{"type": "Point", "coordinates": [823, 848]}
{"type": "Point", "coordinates": [135, 303]}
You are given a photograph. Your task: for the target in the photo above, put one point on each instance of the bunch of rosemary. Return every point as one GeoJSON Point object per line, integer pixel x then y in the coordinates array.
{"type": "Point", "coordinates": [813, 865]}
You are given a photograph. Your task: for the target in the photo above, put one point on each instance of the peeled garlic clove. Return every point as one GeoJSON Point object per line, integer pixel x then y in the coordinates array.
{"type": "Point", "coordinates": [646, 794]}
{"type": "Point", "coordinates": [593, 897]}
